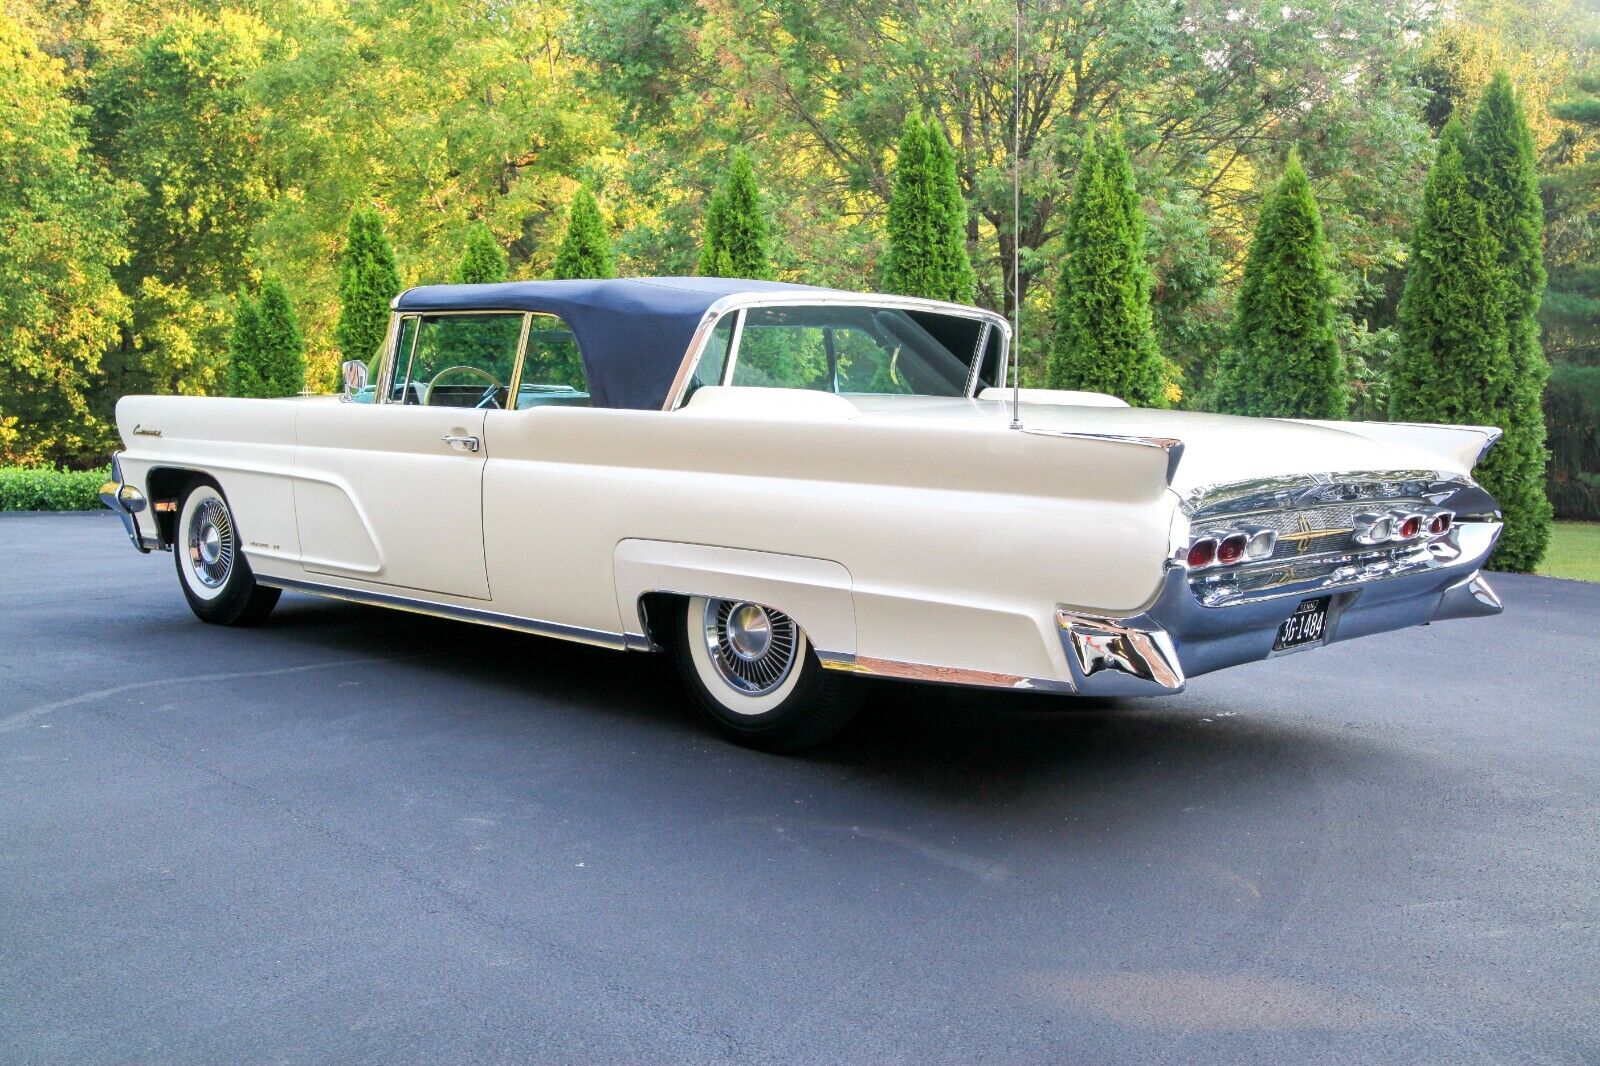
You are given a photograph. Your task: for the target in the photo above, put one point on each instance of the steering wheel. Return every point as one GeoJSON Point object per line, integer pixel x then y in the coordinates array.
{"type": "Point", "coordinates": [494, 385]}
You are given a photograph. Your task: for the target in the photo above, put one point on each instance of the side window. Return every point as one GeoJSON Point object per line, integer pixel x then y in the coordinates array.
{"type": "Point", "coordinates": [715, 357]}
{"type": "Point", "coordinates": [552, 369]}
{"type": "Point", "coordinates": [856, 348]}
{"type": "Point", "coordinates": [456, 360]}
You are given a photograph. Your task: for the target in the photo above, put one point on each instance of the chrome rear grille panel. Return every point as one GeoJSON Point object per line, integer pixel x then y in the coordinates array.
{"type": "Point", "coordinates": [1315, 519]}
{"type": "Point", "coordinates": [1312, 531]}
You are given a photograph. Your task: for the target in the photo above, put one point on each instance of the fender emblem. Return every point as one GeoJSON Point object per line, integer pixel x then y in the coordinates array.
{"type": "Point", "coordinates": [140, 431]}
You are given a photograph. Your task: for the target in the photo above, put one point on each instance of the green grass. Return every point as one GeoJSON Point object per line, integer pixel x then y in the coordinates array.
{"type": "Point", "coordinates": [1574, 552]}
{"type": "Point", "coordinates": [45, 489]}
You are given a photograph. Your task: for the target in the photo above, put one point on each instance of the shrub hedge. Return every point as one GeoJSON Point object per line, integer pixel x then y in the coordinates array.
{"type": "Point", "coordinates": [48, 489]}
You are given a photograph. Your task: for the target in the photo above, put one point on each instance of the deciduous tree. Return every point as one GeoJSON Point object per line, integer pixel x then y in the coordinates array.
{"type": "Point", "coordinates": [61, 235]}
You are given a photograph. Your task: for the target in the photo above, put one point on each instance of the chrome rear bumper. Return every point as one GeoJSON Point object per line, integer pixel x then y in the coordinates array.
{"type": "Point", "coordinates": [1177, 637]}
{"type": "Point", "coordinates": [128, 503]}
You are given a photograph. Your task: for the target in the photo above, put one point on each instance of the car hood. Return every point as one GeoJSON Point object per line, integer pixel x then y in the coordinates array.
{"type": "Point", "coordinates": [1216, 448]}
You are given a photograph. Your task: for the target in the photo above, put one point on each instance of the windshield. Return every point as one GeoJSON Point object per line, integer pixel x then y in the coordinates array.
{"type": "Point", "coordinates": [845, 349]}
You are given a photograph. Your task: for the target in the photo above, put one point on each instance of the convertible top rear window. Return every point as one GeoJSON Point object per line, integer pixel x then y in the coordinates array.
{"type": "Point", "coordinates": [846, 348]}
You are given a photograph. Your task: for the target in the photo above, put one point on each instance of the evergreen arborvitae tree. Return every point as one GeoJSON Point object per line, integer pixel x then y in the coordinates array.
{"type": "Point", "coordinates": [911, 265]}
{"type": "Point", "coordinates": [368, 280]}
{"type": "Point", "coordinates": [960, 280]}
{"type": "Point", "coordinates": [1283, 358]}
{"type": "Point", "coordinates": [1104, 339]}
{"type": "Point", "coordinates": [1452, 364]}
{"type": "Point", "coordinates": [1502, 175]}
{"type": "Point", "coordinates": [244, 347]}
{"type": "Point", "coordinates": [713, 255]}
{"type": "Point", "coordinates": [736, 238]}
{"type": "Point", "coordinates": [482, 260]}
{"type": "Point", "coordinates": [586, 249]}
{"type": "Point", "coordinates": [927, 253]}
{"type": "Point", "coordinates": [281, 350]}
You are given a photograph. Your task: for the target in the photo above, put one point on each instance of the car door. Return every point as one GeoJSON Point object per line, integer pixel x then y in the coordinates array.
{"type": "Point", "coordinates": [392, 492]}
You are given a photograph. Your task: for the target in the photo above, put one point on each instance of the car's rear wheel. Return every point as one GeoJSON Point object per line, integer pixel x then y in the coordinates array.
{"type": "Point", "coordinates": [215, 576]}
{"type": "Point", "coordinates": [755, 677]}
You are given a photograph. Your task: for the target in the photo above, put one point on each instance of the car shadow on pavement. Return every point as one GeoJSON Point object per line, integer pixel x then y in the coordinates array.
{"type": "Point", "coordinates": [945, 740]}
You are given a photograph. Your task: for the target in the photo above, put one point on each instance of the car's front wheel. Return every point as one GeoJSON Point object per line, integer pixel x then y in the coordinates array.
{"type": "Point", "coordinates": [216, 578]}
{"type": "Point", "coordinates": [755, 677]}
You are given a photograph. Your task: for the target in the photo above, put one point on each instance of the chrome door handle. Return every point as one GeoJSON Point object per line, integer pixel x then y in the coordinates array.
{"type": "Point", "coordinates": [469, 443]}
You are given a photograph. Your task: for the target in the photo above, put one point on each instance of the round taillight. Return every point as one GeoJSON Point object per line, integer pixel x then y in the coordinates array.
{"type": "Point", "coordinates": [1202, 553]}
{"type": "Point", "coordinates": [1440, 524]}
{"type": "Point", "coordinates": [1231, 550]}
{"type": "Point", "coordinates": [1410, 526]}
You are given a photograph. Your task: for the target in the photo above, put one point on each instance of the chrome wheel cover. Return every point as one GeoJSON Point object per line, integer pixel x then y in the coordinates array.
{"type": "Point", "coordinates": [210, 543]}
{"type": "Point", "coordinates": [753, 648]}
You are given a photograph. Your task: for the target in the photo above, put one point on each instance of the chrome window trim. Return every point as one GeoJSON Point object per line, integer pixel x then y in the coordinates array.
{"type": "Point", "coordinates": [977, 358]}
{"type": "Point", "coordinates": [746, 300]}
{"type": "Point", "coordinates": [392, 341]}
{"type": "Point", "coordinates": [515, 383]}
{"type": "Point", "coordinates": [726, 377]}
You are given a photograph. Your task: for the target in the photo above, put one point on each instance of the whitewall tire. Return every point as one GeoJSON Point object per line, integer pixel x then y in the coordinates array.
{"type": "Point", "coordinates": [755, 676]}
{"type": "Point", "coordinates": [215, 576]}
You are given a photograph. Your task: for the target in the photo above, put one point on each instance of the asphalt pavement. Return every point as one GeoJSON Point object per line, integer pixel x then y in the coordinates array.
{"type": "Point", "coordinates": [353, 835]}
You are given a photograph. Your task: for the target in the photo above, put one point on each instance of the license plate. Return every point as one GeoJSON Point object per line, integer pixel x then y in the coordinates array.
{"type": "Point", "coordinates": [1307, 625]}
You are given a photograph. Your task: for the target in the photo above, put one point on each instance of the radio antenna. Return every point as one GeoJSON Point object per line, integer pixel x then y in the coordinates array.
{"type": "Point", "coordinates": [1016, 225]}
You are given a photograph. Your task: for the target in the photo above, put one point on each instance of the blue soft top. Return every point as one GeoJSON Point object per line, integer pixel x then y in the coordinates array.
{"type": "Point", "coordinates": [632, 332]}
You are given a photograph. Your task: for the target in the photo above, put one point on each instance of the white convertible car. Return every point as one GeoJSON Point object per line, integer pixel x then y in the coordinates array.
{"type": "Point", "coordinates": [786, 486]}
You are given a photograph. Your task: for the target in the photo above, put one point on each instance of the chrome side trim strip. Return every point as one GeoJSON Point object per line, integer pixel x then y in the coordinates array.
{"type": "Point", "coordinates": [869, 666]}
{"type": "Point", "coordinates": [600, 637]}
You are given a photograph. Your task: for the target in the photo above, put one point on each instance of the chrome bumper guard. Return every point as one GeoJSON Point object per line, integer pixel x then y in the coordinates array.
{"type": "Point", "coordinates": [1155, 651]}
{"type": "Point", "coordinates": [128, 502]}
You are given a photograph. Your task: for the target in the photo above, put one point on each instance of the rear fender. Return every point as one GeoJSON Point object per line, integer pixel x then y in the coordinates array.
{"type": "Point", "coordinates": [1458, 448]}
{"type": "Point", "coordinates": [814, 592]}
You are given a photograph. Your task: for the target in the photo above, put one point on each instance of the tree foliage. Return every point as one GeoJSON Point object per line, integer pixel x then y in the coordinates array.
{"type": "Point", "coordinates": [927, 221]}
{"type": "Point", "coordinates": [482, 259]}
{"type": "Point", "coordinates": [1283, 358]}
{"type": "Point", "coordinates": [736, 235]}
{"type": "Point", "coordinates": [368, 281]}
{"type": "Point", "coordinates": [173, 117]}
{"type": "Point", "coordinates": [244, 348]}
{"type": "Point", "coordinates": [266, 351]}
{"type": "Point", "coordinates": [1453, 364]}
{"type": "Point", "coordinates": [586, 246]}
{"type": "Point", "coordinates": [1501, 172]}
{"type": "Point", "coordinates": [1104, 338]}
{"type": "Point", "coordinates": [61, 236]}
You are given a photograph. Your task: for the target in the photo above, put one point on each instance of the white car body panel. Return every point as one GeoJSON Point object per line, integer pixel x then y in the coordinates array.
{"type": "Point", "coordinates": [910, 536]}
